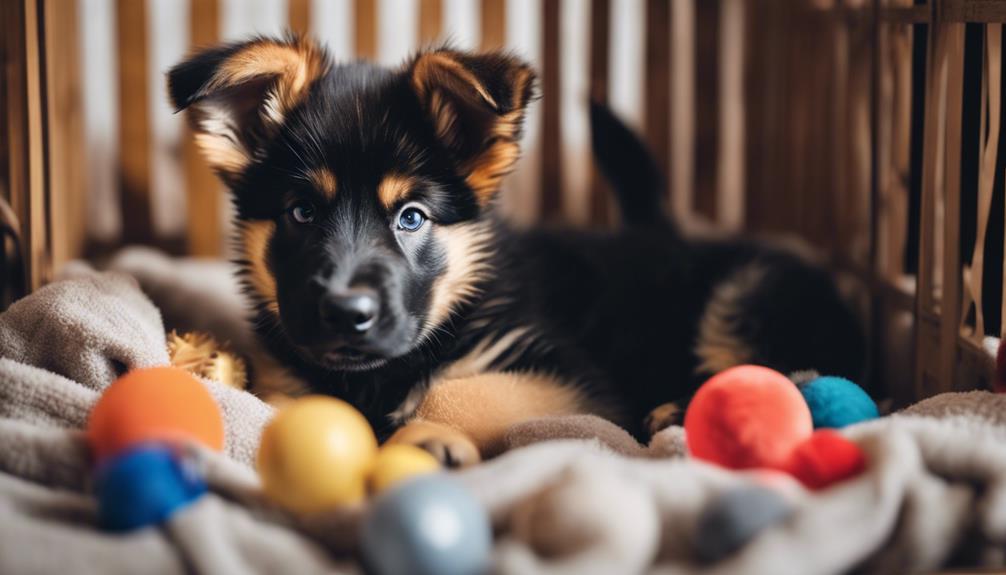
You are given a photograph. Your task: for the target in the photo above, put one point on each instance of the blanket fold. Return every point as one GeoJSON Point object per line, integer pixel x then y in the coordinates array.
{"type": "Point", "coordinates": [573, 494]}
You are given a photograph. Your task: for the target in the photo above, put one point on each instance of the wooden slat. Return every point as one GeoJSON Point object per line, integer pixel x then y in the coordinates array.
{"type": "Point", "coordinates": [366, 28]}
{"type": "Point", "coordinates": [730, 145]}
{"type": "Point", "coordinates": [905, 14]}
{"type": "Point", "coordinates": [431, 21]}
{"type": "Point", "coordinates": [600, 39]}
{"type": "Point", "coordinates": [134, 120]}
{"type": "Point", "coordinates": [551, 134]}
{"type": "Point", "coordinates": [298, 16]}
{"type": "Point", "coordinates": [24, 143]}
{"type": "Point", "coordinates": [658, 82]}
{"type": "Point", "coordinates": [706, 107]}
{"type": "Point", "coordinates": [972, 10]}
{"type": "Point", "coordinates": [682, 108]}
{"type": "Point", "coordinates": [204, 192]}
{"type": "Point", "coordinates": [493, 24]}
{"type": "Point", "coordinates": [65, 132]}
{"type": "Point", "coordinates": [37, 231]}
{"type": "Point", "coordinates": [951, 296]}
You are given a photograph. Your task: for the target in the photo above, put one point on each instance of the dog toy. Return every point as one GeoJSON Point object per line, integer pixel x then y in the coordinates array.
{"type": "Point", "coordinates": [735, 517]}
{"type": "Point", "coordinates": [398, 462]}
{"type": "Point", "coordinates": [751, 417]}
{"type": "Point", "coordinates": [836, 402]}
{"type": "Point", "coordinates": [315, 455]}
{"type": "Point", "coordinates": [745, 417]}
{"type": "Point", "coordinates": [201, 355]}
{"type": "Point", "coordinates": [144, 486]}
{"type": "Point", "coordinates": [424, 526]}
{"type": "Point", "coordinates": [825, 458]}
{"type": "Point", "coordinates": [154, 404]}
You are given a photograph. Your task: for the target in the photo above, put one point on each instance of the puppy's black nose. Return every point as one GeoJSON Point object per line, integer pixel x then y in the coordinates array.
{"type": "Point", "coordinates": [352, 311]}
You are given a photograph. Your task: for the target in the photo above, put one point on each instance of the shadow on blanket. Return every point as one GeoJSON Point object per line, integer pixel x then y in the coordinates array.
{"type": "Point", "coordinates": [573, 495]}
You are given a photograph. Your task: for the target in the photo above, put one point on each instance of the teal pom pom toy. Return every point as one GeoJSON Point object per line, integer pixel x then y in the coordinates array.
{"type": "Point", "coordinates": [836, 402]}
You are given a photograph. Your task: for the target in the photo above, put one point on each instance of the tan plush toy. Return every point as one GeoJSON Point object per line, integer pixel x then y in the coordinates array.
{"type": "Point", "coordinates": [204, 356]}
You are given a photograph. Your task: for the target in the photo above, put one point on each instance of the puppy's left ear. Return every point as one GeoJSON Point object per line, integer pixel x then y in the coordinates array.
{"type": "Point", "coordinates": [476, 103]}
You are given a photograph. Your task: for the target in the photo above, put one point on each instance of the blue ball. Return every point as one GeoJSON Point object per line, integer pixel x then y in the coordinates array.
{"type": "Point", "coordinates": [144, 486]}
{"type": "Point", "coordinates": [735, 517]}
{"type": "Point", "coordinates": [836, 402]}
{"type": "Point", "coordinates": [427, 525]}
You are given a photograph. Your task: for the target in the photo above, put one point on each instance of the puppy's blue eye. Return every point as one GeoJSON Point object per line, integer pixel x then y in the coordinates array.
{"type": "Point", "coordinates": [302, 212]}
{"type": "Point", "coordinates": [411, 219]}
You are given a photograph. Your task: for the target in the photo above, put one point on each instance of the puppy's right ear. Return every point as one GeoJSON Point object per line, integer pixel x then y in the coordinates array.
{"type": "Point", "coordinates": [238, 95]}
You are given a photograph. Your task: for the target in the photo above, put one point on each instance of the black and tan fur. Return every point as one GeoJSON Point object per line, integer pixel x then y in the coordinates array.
{"type": "Point", "coordinates": [477, 326]}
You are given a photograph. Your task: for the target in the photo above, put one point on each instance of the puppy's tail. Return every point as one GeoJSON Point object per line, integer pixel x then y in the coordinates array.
{"type": "Point", "coordinates": [626, 162]}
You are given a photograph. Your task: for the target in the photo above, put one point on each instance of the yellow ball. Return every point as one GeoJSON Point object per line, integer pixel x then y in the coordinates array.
{"type": "Point", "coordinates": [399, 462]}
{"type": "Point", "coordinates": [316, 454]}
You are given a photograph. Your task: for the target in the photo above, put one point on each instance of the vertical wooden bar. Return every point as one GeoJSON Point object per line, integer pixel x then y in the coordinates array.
{"type": "Point", "coordinates": [203, 190]}
{"type": "Point", "coordinates": [366, 29]}
{"type": "Point", "coordinates": [600, 39]}
{"type": "Point", "coordinates": [134, 120]}
{"type": "Point", "coordinates": [24, 85]}
{"type": "Point", "coordinates": [658, 81]}
{"type": "Point", "coordinates": [37, 238]}
{"type": "Point", "coordinates": [681, 172]}
{"type": "Point", "coordinates": [431, 21]}
{"type": "Point", "coordinates": [551, 135]}
{"type": "Point", "coordinates": [493, 24]}
{"type": "Point", "coordinates": [730, 164]}
{"type": "Point", "coordinates": [706, 108]}
{"type": "Point", "coordinates": [298, 16]}
{"type": "Point", "coordinates": [65, 133]}
{"type": "Point", "coordinates": [951, 296]}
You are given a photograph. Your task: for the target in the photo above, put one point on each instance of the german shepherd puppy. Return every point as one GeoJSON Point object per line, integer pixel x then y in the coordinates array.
{"type": "Point", "coordinates": [381, 274]}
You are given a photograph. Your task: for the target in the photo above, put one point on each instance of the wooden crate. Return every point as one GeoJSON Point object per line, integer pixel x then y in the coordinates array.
{"type": "Point", "coordinates": [869, 128]}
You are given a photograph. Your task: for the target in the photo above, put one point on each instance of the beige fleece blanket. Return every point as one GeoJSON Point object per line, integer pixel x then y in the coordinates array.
{"type": "Point", "coordinates": [574, 495]}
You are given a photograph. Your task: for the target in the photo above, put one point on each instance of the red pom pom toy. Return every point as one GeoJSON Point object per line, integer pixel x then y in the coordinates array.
{"type": "Point", "coordinates": [825, 458]}
{"type": "Point", "coordinates": [745, 417]}
{"type": "Point", "coordinates": [754, 417]}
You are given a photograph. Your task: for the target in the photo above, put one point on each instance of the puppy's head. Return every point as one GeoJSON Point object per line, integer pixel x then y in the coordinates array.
{"type": "Point", "coordinates": [360, 190]}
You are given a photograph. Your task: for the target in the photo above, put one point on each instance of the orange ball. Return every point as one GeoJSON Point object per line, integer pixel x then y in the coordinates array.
{"type": "Point", "coordinates": [746, 417]}
{"type": "Point", "coordinates": [154, 404]}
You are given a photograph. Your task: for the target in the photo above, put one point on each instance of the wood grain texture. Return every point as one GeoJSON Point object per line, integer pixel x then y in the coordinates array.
{"type": "Point", "coordinates": [493, 17]}
{"type": "Point", "coordinates": [658, 81]}
{"type": "Point", "coordinates": [551, 134]}
{"type": "Point", "coordinates": [431, 21]}
{"type": "Point", "coordinates": [66, 176]}
{"type": "Point", "coordinates": [204, 192]}
{"type": "Point", "coordinates": [299, 16]}
{"type": "Point", "coordinates": [134, 121]}
{"type": "Point", "coordinates": [366, 28]}
{"type": "Point", "coordinates": [601, 212]}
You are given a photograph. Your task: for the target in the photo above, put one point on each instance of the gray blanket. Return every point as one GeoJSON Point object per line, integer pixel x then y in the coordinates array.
{"type": "Point", "coordinates": [594, 502]}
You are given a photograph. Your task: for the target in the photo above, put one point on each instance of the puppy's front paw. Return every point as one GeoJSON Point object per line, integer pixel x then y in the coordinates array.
{"type": "Point", "coordinates": [452, 448]}
{"type": "Point", "coordinates": [664, 416]}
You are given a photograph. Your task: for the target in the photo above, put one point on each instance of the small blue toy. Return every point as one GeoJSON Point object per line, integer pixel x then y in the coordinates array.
{"type": "Point", "coordinates": [144, 486]}
{"type": "Point", "coordinates": [836, 402]}
{"type": "Point", "coordinates": [736, 517]}
{"type": "Point", "coordinates": [424, 526]}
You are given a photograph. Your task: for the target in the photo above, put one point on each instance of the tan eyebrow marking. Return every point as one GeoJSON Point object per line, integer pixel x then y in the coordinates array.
{"type": "Point", "coordinates": [393, 188]}
{"type": "Point", "coordinates": [324, 180]}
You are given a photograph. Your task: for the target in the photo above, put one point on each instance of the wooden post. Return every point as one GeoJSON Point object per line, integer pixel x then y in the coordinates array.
{"type": "Point", "coordinates": [66, 134]}
{"type": "Point", "coordinates": [493, 24]}
{"type": "Point", "coordinates": [299, 16]}
{"type": "Point", "coordinates": [366, 29]}
{"type": "Point", "coordinates": [600, 40]}
{"type": "Point", "coordinates": [26, 170]}
{"type": "Point", "coordinates": [431, 21]}
{"type": "Point", "coordinates": [204, 191]}
{"type": "Point", "coordinates": [551, 136]}
{"type": "Point", "coordinates": [658, 81]}
{"type": "Point", "coordinates": [134, 121]}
